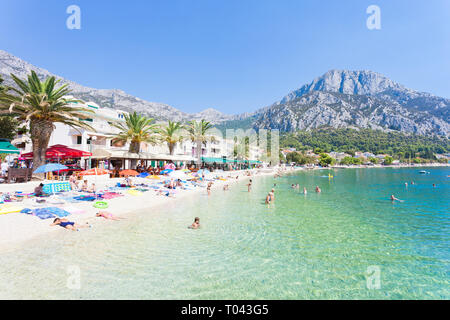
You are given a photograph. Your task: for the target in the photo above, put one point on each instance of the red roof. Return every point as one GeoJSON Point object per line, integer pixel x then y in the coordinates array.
{"type": "Point", "coordinates": [60, 151]}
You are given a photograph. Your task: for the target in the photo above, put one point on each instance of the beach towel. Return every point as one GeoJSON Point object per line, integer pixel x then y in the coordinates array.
{"type": "Point", "coordinates": [85, 198]}
{"type": "Point", "coordinates": [50, 212]}
{"type": "Point", "coordinates": [111, 195]}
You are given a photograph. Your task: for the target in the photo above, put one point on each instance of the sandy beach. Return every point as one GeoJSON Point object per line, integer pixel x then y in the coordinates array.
{"type": "Point", "coordinates": [17, 229]}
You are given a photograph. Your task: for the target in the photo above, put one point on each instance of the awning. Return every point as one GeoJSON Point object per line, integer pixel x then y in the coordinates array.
{"type": "Point", "coordinates": [6, 147]}
{"type": "Point", "coordinates": [60, 151]}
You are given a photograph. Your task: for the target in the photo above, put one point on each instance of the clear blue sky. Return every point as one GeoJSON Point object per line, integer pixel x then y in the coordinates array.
{"type": "Point", "coordinates": [233, 55]}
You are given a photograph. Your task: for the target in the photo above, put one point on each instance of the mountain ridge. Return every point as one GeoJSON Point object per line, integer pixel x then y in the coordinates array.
{"type": "Point", "coordinates": [338, 98]}
{"type": "Point", "coordinates": [113, 98]}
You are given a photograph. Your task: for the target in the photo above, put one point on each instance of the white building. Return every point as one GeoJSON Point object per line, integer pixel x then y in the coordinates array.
{"type": "Point", "coordinates": [100, 143]}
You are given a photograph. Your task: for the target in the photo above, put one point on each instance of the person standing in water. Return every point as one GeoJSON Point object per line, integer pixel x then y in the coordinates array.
{"type": "Point", "coordinates": [318, 189]}
{"type": "Point", "coordinates": [196, 224]}
{"type": "Point", "coordinates": [268, 199]}
{"type": "Point", "coordinates": [272, 195]}
{"type": "Point", "coordinates": [304, 191]}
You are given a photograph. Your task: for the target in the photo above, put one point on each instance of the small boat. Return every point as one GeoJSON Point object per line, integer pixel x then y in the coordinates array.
{"type": "Point", "coordinates": [424, 172]}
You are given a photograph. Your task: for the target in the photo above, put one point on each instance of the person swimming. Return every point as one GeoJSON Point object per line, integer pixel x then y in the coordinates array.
{"type": "Point", "coordinates": [393, 198]}
{"type": "Point", "coordinates": [196, 224]}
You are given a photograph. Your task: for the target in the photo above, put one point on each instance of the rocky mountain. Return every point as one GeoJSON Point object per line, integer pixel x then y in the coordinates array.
{"type": "Point", "coordinates": [112, 98]}
{"type": "Point", "coordinates": [363, 99]}
{"type": "Point", "coordinates": [339, 98]}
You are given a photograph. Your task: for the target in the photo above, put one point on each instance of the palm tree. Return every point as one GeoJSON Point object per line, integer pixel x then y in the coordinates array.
{"type": "Point", "coordinates": [41, 104]}
{"type": "Point", "coordinates": [171, 134]}
{"type": "Point", "coordinates": [137, 129]}
{"type": "Point", "coordinates": [198, 133]}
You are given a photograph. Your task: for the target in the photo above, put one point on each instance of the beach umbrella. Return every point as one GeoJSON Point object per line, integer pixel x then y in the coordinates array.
{"type": "Point", "coordinates": [50, 167]}
{"type": "Point", "coordinates": [186, 170]}
{"type": "Point", "coordinates": [154, 177]}
{"type": "Point", "coordinates": [94, 172]}
{"type": "Point", "coordinates": [129, 172]}
{"type": "Point", "coordinates": [166, 171]}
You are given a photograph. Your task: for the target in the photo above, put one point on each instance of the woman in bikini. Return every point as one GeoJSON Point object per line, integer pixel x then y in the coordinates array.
{"type": "Point", "coordinates": [107, 215]}
{"type": "Point", "coordinates": [66, 224]}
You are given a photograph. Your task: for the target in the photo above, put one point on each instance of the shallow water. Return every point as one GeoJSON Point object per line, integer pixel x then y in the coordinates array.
{"type": "Point", "coordinates": [317, 246]}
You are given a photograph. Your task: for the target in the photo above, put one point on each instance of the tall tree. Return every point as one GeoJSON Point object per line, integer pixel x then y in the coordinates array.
{"type": "Point", "coordinates": [198, 133]}
{"type": "Point", "coordinates": [9, 127]}
{"type": "Point", "coordinates": [41, 104]}
{"type": "Point", "coordinates": [172, 134]}
{"type": "Point", "coordinates": [135, 130]}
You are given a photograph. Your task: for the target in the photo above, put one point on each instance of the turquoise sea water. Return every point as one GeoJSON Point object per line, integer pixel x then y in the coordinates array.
{"type": "Point", "coordinates": [317, 246]}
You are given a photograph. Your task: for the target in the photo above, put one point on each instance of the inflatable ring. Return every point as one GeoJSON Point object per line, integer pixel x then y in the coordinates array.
{"type": "Point", "coordinates": [101, 205]}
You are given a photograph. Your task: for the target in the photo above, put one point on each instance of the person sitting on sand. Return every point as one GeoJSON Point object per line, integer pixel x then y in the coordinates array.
{"type": "Point", "coordinates": [128, 182]}
{"type": "Point", "coordinates": [318, 189]}
{"type": "Point", "coordinates": [39, 190]}
{"type": "Point", "coordinates": [69, 224]}
{"type": "Point", "coordinates": [85, 186]}
{"type": "Point", "coordinates": [73, 182]}
{"type": "Point", "coordinates": [225, 187]}
{"type": "Point", "coordinates": [196, 224]}
{"type": "Point", "coordinates": [93, 189]}
{"type": "Point", "coordinates": [107, 215]}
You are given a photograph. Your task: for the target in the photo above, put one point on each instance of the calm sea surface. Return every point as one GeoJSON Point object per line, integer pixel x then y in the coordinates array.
{"type": "Point", "coordinates": [331, 245]}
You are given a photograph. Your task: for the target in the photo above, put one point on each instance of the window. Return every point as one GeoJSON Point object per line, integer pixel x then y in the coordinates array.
{"type": "Point", "coordinates": [79, 139]}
